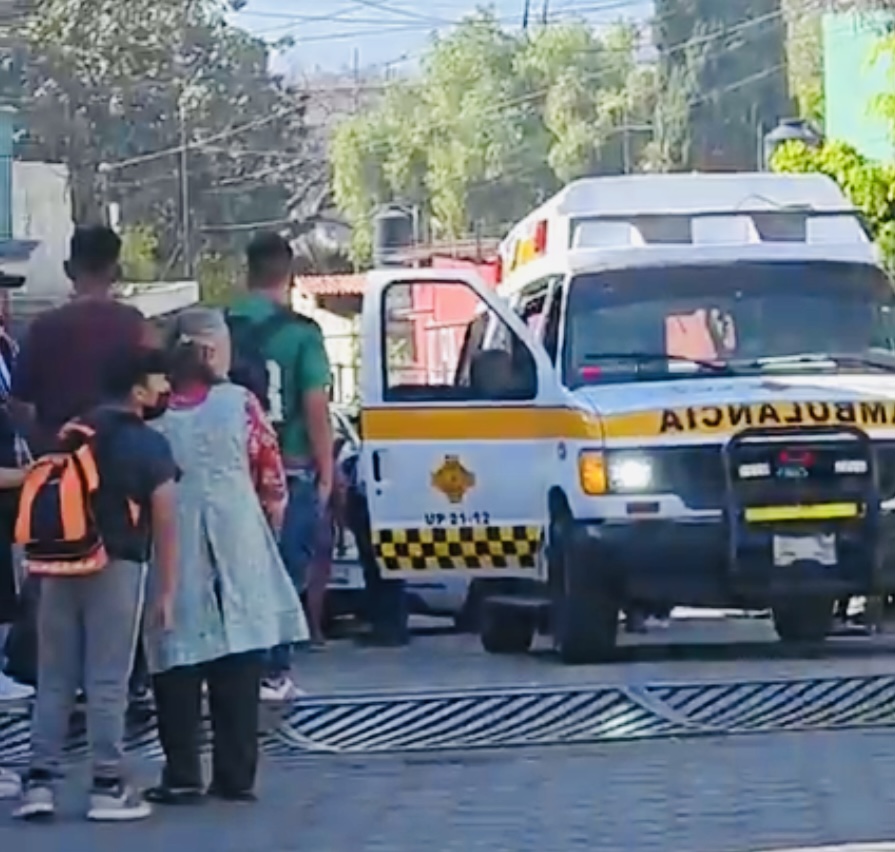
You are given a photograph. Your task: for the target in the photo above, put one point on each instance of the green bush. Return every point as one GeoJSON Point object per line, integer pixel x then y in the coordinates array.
{"type": "Point", "coordinates": [869, 185]}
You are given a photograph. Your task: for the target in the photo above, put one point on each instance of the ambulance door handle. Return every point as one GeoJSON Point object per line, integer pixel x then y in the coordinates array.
{"type": "Point", "coordinates": [377, 466]}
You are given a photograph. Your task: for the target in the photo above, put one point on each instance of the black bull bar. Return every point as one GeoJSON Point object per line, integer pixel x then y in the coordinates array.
{"type": "Point", "coordinates": [786, 522]}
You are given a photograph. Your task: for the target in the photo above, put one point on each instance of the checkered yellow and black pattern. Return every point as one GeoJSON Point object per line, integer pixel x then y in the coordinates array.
{"type": "Point", "coordinates": [449, 548]}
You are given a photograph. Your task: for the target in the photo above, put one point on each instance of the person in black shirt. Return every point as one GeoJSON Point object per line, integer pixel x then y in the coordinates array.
{"type": "Point", "coordinates": [90, 622]}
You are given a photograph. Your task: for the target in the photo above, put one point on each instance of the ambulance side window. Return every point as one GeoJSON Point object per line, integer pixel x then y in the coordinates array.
{"type": "Point", "coordinates": [539, 309]}
{"type": "Point", "coordinates": [550, 332]}
{"type": "Point", "coordinates": [531, 310]}
{"type": "Point", "coordinates": [438, 345]}
{"type": "Point", "coordinates": [473, 342]}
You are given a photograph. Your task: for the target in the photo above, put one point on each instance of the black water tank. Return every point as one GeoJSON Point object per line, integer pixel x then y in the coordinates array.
{"type": "Point", "coordinates": [393, 234]}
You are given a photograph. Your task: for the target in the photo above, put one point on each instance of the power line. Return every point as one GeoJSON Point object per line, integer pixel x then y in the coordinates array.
{"type": "Point", "coordinates": [527, 170]}
{"type": "Point", "coordinates": [217, 137]}
{"type": "Point", "coordinates": [501, 107]}
{"type": "Point", "coordinates": [715, 91]}
{"type": "Point", "coordinates": [423, 22]}
{"type": "Point", "coordinates": [497, 109]}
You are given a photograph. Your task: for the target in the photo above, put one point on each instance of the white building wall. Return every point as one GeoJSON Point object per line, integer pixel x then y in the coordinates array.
{"type": "Point", "coordinates": [41, 210]}
{"type": "Point", "coordinates": [340, 334]}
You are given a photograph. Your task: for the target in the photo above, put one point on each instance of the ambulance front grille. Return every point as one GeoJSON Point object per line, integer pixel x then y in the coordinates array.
{"type": "Point", "coordinates": [696, 474]}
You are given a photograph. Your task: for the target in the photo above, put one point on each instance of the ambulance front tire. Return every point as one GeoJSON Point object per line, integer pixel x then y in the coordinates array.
{"type": "Point", "coordinates": [506, 629]}
{"type": "Point", "coordinates": [586, 609]}
{"type": "Point", "coordinates": [806, 619]}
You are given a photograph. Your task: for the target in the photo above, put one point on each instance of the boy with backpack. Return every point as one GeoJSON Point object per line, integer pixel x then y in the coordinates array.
{"type": "Point", "coordinates": [88, 515]}
{"type": "Point", "coordinates": [280, 356]}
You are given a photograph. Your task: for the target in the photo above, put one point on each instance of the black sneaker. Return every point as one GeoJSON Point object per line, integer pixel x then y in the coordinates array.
{"type": "Point", "coordinates": [162, 794]}
{"type": "Point", "coordinates": [225, 795]}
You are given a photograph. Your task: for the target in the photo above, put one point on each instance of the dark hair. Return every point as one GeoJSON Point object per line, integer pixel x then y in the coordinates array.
{"type": "Point", "coordinates": [94, 249]}
{"type": "Point", "coordinates": [132, 367]}
{"type": "Point", "coordinates": [269, 258]}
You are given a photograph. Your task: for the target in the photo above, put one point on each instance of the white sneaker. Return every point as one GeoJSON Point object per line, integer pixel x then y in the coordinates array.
{"type": "Point", "coordinates": [37, 802]}
{"type": "Point", "coordinates": [10, 784]}
{"type": "Point", "coordinates": [12, 690]}
{"type": "Point", "coordinates": [279, 689]}
{"type": "Point", "coordinates": [121, 803]}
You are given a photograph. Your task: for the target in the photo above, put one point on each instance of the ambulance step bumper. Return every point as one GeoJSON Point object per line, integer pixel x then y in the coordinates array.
{"type": "Point", "coordinates": [691, 562]}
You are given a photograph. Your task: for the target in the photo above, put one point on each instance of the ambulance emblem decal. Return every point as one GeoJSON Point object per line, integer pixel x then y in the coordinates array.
{"type": "Point", "coordinates": [452, 479]}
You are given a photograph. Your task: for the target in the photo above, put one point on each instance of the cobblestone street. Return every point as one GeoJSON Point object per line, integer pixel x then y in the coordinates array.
{"type": "Point", "coordinates": [744, 794]}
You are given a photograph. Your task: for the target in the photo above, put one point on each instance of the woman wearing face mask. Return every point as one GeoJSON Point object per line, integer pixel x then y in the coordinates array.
{"type": "Point", "coordinates": [234, 599]}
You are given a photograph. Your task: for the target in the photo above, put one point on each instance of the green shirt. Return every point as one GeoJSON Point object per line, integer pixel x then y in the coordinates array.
{"type": "Point", "coordinates": [298, 363]}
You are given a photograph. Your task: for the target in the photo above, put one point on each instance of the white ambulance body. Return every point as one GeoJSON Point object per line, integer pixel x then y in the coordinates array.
{"type": "Point", "coordinates": [683, 392]}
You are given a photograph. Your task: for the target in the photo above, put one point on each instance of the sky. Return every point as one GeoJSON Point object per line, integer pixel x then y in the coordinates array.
{"type": "Point", "coordinates": [392, 33]}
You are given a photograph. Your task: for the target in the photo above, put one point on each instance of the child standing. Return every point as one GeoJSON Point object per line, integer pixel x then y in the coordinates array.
{"type": "Point", "coordinates": [92, 588]}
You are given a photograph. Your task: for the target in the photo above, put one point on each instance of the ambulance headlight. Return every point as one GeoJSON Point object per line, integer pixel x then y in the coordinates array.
{"type": "Point", "coordinates": [630, 473]}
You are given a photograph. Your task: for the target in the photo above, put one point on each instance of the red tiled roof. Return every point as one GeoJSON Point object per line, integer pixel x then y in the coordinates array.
{"type": "Point", "coordinates": [331, 285]}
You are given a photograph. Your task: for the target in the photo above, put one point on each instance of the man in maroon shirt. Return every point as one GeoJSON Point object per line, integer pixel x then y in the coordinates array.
{"type": "Point", "coordinates": [60, 368]}
{"type": "Point", "coordinates": [58, 373]}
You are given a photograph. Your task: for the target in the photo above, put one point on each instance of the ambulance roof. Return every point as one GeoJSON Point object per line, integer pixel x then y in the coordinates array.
{"type": "Point", "coordinates": [686, 218]}
{"type": "Point", "coordinates": [687, 194]}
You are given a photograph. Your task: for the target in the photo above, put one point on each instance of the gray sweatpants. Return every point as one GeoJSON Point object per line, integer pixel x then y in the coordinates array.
{"type": "Point", "coordinates": [87, 630]}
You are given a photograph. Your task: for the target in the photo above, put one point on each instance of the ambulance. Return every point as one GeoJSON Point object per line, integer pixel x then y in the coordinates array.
{"type": "Point", "coordinates": [682, 392]}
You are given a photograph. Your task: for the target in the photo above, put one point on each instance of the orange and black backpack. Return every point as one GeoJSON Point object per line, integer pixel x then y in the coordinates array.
{"type": "Point", "coordinates": [56, 522]}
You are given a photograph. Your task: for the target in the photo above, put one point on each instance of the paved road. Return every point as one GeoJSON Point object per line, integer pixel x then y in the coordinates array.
{"type": "Point", "coordinates": [696, 648]}
{"type": "Point", "coordinates": [747, 794]}
{"type": "Point", "coordinates": [765, 793]}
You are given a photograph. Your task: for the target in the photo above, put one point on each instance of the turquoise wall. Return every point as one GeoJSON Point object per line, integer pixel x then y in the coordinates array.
{"type": "Point", "coordinates": [7, 129]}
{"type": "Point", "coordinates": [852, 80]}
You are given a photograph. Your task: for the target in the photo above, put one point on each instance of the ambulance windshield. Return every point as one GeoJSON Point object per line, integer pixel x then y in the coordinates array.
{"type": "Point", "coordinates": [730, 313]}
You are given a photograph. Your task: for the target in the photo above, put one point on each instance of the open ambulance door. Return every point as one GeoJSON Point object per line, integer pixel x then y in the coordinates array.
{"type": "Point", "coordinates": [458, 439]}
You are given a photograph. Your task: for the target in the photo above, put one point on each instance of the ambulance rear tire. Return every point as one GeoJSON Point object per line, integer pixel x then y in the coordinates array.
{"type": "Point", "coordinates": [803, 619]}
{"type": "Point", "coordinates": [586, 611]}
{"type": "Point", "coordinates": [506, 629]}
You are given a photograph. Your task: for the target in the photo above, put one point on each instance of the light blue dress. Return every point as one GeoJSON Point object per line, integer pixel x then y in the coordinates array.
{"type": "Point", "coordinates": [233, 593]}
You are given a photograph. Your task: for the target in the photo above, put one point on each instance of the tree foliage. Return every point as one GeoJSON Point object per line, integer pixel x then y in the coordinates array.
{"type": "Point", "coordinates": [869, 185]}
{"type": "Point", "coordinates": [495, 122]}
{"type": "Point", "coordinates": [804, 57]}
{"type": "Point", "coordinates": [731, 56]}
{"type": "Point", "coordinates": [139, 252]}
{"type": "Point", "coordinates": [127, 83]}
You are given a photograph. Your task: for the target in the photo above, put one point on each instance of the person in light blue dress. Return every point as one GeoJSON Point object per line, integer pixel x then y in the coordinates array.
{"type": "Point", "coordinates": [234, 598]}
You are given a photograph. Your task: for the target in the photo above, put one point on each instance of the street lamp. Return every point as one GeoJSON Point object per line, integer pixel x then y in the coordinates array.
{"type": "Point", "coordinates": [789, 130]}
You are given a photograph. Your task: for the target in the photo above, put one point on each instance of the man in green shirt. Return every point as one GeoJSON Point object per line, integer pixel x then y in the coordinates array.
{"type": "Point", "coordinates": [297, 389]}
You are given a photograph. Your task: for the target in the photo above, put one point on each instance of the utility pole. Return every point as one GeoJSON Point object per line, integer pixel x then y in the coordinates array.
{"type": "Point", "coordinates": [356, 80]}
{"type": "Point", "coordinates": [626, 142]}
{"type": "Point", "coordinates": [545, 12]}
{"type": "Point", "coordinates": [186, 231]}
{"type": "Point", "coordinates": [526, 11]}
{"type": "Point", "coordinates": [186, 237]}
